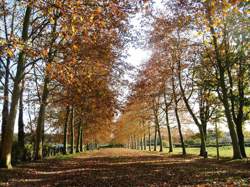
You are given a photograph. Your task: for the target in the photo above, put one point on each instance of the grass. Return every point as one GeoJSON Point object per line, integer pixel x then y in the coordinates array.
{"type": "Point", "coordinates": [65, 157]}
{"type": "Point", "coordinates": [225, 151]}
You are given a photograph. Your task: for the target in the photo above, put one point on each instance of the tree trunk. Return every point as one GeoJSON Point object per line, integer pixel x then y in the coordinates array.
{"type": "Point", "coordinates": [65, 132]}
{"type": "Point", "coordinates": [81, 139]}
{"type": "Point", "coordinates": [40, 121]}
{"type": "Point", "coordinates": [135, 143]}
{"type": "Point", "coordinates": [72, 130]}
{"type": "Point", "coordinates": [239, 119]}
{"type": "Point", "coordinates": [203, 150]}
{"type": "Point", "coordinates": [170, 143]}
{"type": "Point", "coordinates": [224, 90]}
{"type": "Point", "coordinates": [144, 141]}
{"type": "Point", "coordinates": [177, 115]}
{"type": "Point", "coordinates": [160, 139]}
{"type": "Point", "coordinates": [78, 138]}
{"type": "Point", "coordinates": [141, 143]}
{"type": "Point", "coordinates": [21, 126]}
{"type": "Point", "coordinates": [130, 142]}
{"type": "Point", "coordinates": [9, 128]}
{"type": "Point", "coordinates": [5, 111]}
{"type": "Point", "coordinates": [241, 139]}
{"type": "Point", "coordinates": [149, 139]}
{"type": "Point", "coordinates": [155, 140]}
{"type": "Point", "coordinates": [180, 132]}
{"type": "Point", "coordinates": [217, 142]}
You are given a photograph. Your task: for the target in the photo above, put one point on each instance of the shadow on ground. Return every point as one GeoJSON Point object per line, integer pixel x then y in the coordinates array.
{"type": "Point", "coordinates": [119, 170]}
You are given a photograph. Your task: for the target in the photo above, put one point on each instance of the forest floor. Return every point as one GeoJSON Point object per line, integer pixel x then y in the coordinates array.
{"type": "Point", "coordinates": [123, 167]}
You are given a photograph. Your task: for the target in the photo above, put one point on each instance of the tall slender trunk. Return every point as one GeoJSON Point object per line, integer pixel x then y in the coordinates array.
{"type": "Point", "coordinates": [149, 139]}
{"type": "Point", "coordinates": [159, 134]}
{"type": "Point", "coordinates": [72, 134]}
{"type": "Point", "coordinates": [224, 90]}
{"type": "Point", "coordinates": [178, 119]}
{"type": "Point", "coordinates": [217, 142]}
{"type": "Point", "coordinates": [65, 132]}
{"type": "Point", "coordinates": [203, 150]}
{"type": "Point", "coordinates": [5, 160]}
{"type": "Point", "coordinates": [40, 121]}
{"type": "Point", "coordinates": [135, 146]}
{"type": "Point", "coordinates": [155, 140]}
{"type": "Point", "coordinates": [81, 139]}
{"type": "Point", "coordinates": [5, 111]}
{"type": "Point", "coordinates": [241, 139]}
{"type": "Point", "coordinates": [177, 116]}
{"type": "Point", "coordinates": [21, 126]}
{"type": "Point", "coordinates": [43, 103]}
{"type": "Point", "coordinates": [132, 143]}
{"type": "Point", "coordinates": [141, 143]}
{"type": "Point", "coordinates": [144, 142]}
{"type": "Point", "coordinates": [180, 131]}
{"type": "Point", "coordinates": [170, 142]}
{"type": "Point", "coordinates": [239, 119]}
{"type": "Point", "coordinates": [78, 138]}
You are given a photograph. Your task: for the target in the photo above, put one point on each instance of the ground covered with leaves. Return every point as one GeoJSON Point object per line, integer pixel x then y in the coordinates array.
{"type": "Point", "coordinates": [123, 167]}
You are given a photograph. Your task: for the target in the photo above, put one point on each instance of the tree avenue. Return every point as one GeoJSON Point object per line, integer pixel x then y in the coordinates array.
{"type": "Point", "coordinates": [199, 68]}
{"type": "Point", "coordinates": [63, 69]}
{"type": "Point", "coordinates": [70, 52]}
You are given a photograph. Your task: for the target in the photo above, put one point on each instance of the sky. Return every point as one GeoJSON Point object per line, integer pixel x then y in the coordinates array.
{"type": "Point", "coordinates": [137, 55]}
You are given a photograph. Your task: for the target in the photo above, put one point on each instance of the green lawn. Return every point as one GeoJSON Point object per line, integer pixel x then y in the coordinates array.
{"type": "Point", "coordinates": [225, 151]}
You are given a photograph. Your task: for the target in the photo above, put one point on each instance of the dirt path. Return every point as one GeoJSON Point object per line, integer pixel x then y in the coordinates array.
{"type": "Point", "coordinates": [122, 167]}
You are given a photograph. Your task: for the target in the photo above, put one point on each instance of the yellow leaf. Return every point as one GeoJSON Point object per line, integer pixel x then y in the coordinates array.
{"type": "Point", "coordinates": [10, 53]}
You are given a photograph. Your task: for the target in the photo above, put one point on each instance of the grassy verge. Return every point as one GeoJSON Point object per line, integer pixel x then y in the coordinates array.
{"type": "Point", "coordinates": [65, 157]}
{"type": "Point", "coordinates": [225, 151]}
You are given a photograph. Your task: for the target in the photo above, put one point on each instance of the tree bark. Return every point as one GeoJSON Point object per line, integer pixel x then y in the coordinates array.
{"type": "Point", "coordinates": [203, 150]}
{"type": "Point", "coordinates": [141, 143]}
{"type": "Point", "coordinates": [81, 139]}
{"type": "Point", "coordinates": [72, 134]}
{"type": "Point", "coordinates": [138, 144]}
{"type": "Point", "coordinates": [217, 142]}
{"type": "Point", "coordinates": [177, 115]}
{"type": "Point", "coordinates": [155, 139]}
{"type": "Point", "coordinates": [144, 141]}
{"type": "Point", "coordinates": [40, 121]}
{"type": "Point", "coordinates": [9, 129]}
{"type": "Point", "coordinates": [160, 139]}
{"type": "Point", "coordinates": [5, 111]}
{"type": "Point", "coordinates": [224, 91]}
{"type": "Point", "coordinates": [21, 126]}
{"type": "Point", "coordinates": [241, 139]}
{"type": "Point", "coordinates": [170, 142]}
{"type": "Point", "coordinates": [78, 138]}
{"type": "Point", "coordinates": [149, 139]}
{"type": "Point", "coordinates": [65, 132]}
{"type": "Point", "coordinates": [180, 132]}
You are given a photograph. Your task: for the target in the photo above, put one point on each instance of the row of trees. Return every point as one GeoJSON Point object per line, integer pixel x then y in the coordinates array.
{"type": "Point", "coordinates": [61, 63]}
{"type": "Point", "coordinates": [200, 67]}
